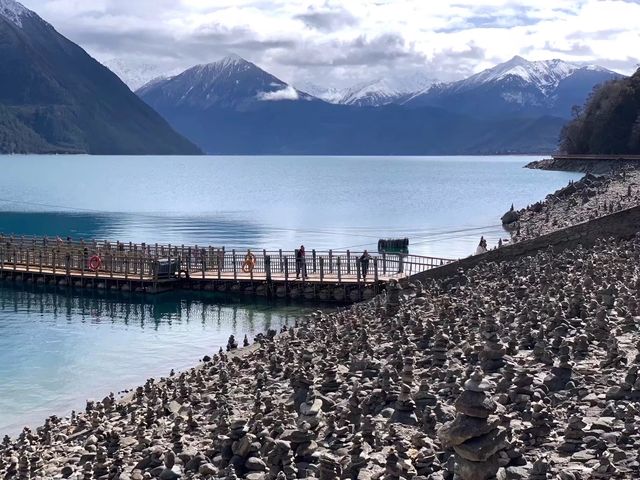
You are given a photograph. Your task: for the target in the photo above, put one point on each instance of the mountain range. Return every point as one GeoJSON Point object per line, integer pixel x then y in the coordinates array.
{"type": "Point", "coordinates": [517, 87]}
{"type": "Point", "coordinates": [234, 107]}
{"type": "Point", "coordinates": [55, 98]}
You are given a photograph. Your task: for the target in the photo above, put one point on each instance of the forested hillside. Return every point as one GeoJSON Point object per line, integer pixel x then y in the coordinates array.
{"type": "Point", "coordinates": [609, 123]}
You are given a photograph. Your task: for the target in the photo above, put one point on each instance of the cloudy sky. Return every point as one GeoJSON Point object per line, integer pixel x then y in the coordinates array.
{"type": "Point", "coordinates": [341, 42]}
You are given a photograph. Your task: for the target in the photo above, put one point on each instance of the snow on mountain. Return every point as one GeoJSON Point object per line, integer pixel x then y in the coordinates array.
{"type": "Point", "coordinates": [328, 94]}
{"type": "Point", "coordinates": [545, 75]}
{"type": "Point", "coordinates": [13, 11]}
{"type": "Point", "coordinates": [517, 87]}
{"type": "Point", "coordinates": [371, 94]}
{"type": "Point", "coordinates": [232, 82]}
{"type": "Point", "coordinates": [137, 74]}
{"type": "Point", "coordinates": [377, 92]}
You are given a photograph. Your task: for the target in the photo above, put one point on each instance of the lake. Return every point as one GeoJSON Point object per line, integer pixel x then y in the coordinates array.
{"type": "Point", "coordinates": [58, 349]}
{"type": "Point", "coordinates": [443, 204]}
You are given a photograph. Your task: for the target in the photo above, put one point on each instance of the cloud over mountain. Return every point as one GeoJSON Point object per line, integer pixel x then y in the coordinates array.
{"type": "Point", "coordinates": [349, 41]}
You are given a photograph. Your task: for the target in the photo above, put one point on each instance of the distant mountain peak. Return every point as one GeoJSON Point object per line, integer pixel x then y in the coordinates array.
{"type": "Point", "coordinates": [230, 61]}
{"type": "Point", "coordinates": [544, 74]}
{"type": "Point", "coordinates": [232, 58]}
{"type": "Point", "coordinates": [13, 11]}
{"type": "Point", "coordinates": [231, 82]}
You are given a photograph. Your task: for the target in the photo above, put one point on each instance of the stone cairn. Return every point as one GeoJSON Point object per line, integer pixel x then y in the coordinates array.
{"type": "Point", "coordinates": [475, 434]}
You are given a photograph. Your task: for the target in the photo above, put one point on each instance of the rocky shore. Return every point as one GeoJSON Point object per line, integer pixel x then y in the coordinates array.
{"type": "Point", "coordinates": [596, 167]}
{"type": "Point", "coordinates": [525, 369]}
{"type": "Point", "coordinates": [589, 198]}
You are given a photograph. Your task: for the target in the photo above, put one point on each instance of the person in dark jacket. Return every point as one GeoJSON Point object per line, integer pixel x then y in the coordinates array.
{"type": "Point", "coordinates": [364, 263]}
{"type": "Point", "coordinates": [301, 260]}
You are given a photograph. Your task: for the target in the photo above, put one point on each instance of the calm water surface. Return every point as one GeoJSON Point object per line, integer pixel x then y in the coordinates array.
{"type": "Point", "coordinates": [59, 349]}
{"type": "Point", "coordinates": [443, 204]}
{"type": "Point", "coordinates": [56, 350]}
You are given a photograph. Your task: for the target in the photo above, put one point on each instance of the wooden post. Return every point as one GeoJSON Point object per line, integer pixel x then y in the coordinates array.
{"type": "Point", "coordinates": [348, 262]}
{"type": "Point", "coordinates": [330, 261]}
{"type": "Point", "coordinates": [281, 266]}
{"type": "Point", "coordinates": [313, 254]}
{"type": "Point", "coordinates": [111, 256]}
{"type": "Point", "coordinates": [286, 272]}
{"type": "Point", "coordinates": [27, 260]}
{"type": "Point", "coordinates": [142, 258]}
{"type": "Point", "coordinates": [384, 263]}
{"type": "Point", "coordinates": [156, 265]}
{"type": "Point", "coordinates": [170, 264]}
{"type": "Point", "coordinates": [235, 267]}
{"type": "Point", "coordinates": [126, 267]}
{"type": "Point", "coordinates": [267, 268]}
{"type": "Point", "coordinates": [321, 269]}
{"type": "Point", "coordinates": [204, 265]}
{"type": "Point", "coordinates": [359, 273]}
{"type": "Point", "coordinates": [220, 262]}
{"type": "Point", "coordinates": [339, 272]}
{"type": "Point", "coordinates": [375, 270]}
{"type": "Point", "coordinates": [189, 262]}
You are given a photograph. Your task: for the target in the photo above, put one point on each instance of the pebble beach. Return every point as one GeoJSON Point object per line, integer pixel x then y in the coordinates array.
{"type": "Point", "coordinates": [523, 369]}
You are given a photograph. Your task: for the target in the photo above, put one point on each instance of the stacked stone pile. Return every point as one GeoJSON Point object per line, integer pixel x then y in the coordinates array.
{"type": "Point", "coordinates": [475, 434]}
{"type": "Point", "coordinates": [580, 201]}
{"type": "Point", "coordinates": [518, 370]}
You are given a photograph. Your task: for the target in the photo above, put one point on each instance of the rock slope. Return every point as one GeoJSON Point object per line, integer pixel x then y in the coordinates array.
{"type": "Point", "coordinates": [519, 370]}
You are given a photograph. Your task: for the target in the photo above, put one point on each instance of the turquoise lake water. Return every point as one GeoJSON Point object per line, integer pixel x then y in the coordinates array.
{"type": "Point", "coordinates": [56, 349]}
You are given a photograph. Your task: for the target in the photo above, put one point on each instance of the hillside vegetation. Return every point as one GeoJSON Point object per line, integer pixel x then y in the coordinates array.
{"type": "Point", "coordinates": [609, 123]}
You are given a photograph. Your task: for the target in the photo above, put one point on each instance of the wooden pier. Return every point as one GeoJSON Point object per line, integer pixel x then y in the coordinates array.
{"type": "Point", "coordinates": [155, 268]}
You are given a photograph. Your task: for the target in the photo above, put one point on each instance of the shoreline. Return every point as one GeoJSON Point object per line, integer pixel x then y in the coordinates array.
{"type": "Point", "coordinates": [474, 372]}
{"type": "Point", "coordinates": [589, 198]}
{"type": "Point", "coordinates": [344, 393]}
{"type": "Point", "coordinates": [592, 166]}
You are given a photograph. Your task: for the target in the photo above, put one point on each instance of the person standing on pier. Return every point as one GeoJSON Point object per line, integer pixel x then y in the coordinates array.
{"type": "Point", "coordinates": [364, 262]}
{"type": "Point", "coordinates": [301, 266]}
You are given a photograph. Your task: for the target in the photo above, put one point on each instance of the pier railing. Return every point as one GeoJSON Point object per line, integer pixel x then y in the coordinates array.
{"type": "Point", "coordinates": [153, 262]}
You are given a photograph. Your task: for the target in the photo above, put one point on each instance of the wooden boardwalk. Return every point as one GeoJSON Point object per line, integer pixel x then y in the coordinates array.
{"type": "Point", "coordinates": [154, 268]}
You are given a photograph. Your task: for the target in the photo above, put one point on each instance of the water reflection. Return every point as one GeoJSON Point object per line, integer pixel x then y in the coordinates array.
{"type": "Point", "coordinates": [136, 227]}
{"type": "Point", "coordinates": [58, 348]}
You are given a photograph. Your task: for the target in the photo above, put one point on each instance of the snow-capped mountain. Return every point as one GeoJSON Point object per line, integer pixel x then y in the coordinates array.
{"type": "Point", "coordinates": [546, 75]}
{"type": "Point", "coordinates": [373, 93]}
{"type": "Point", "coordinates": [328, 94]}
{"type": "Point", "coordinates": [137, 74]}
{"type": "Point", "coordinates": [232, 82]}
{"type": "Point", "coordinates": [14, 12]}
{"type": "Point", "coordinates": [517, 86]}
{"type": "Point", "coordinates": [384, 91]}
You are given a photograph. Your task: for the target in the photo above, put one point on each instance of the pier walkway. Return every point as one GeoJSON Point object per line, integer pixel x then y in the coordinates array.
{"type": "Point", "coordinates": [154, 268]}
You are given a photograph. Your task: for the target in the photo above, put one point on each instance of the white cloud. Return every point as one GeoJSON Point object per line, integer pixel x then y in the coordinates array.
{"type": "Point", "coordinates": [288, 93]}
{"type": "Point", "coordinates": [341, 42]}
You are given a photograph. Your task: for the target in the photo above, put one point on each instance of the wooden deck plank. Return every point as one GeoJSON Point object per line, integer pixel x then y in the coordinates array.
{"type": "Point", "coordinates": [209, 276]}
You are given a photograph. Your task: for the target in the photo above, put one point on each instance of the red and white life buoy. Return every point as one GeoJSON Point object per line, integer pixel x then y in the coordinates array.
{"type": "Point", "coordinates": [95, 263]}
